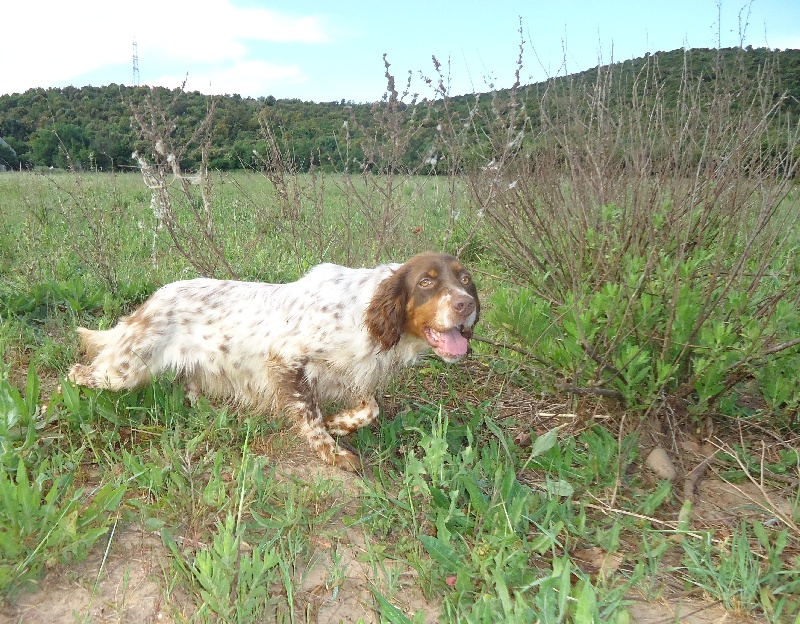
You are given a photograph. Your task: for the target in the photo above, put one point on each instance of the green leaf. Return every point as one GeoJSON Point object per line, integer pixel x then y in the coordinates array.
{"type": "Point", "coordinates": [587, 605]}
{"type": "Point", "coordinates": [501, 587]}
{"type": "Point", "coordinates": [477, 498]}
{"type": "Point", "coordinates": [71, 397]}
{"type": "Point", "coordinates": [32, 391]}
{"type": "Point", "coordinates": [544, 443]}
{"type": "Point", "coordinates": [392, 614]}
{"type": "Point", "coordinates": [439, 498]}
{"type": "Point", "coordinates": [498, 434]}
{"type": "Point", "coordinates": [560, 488]}
{"type": "Point", "coordinates": [442, 552]}
{"type": "Point", "coordinates": [761, 533]}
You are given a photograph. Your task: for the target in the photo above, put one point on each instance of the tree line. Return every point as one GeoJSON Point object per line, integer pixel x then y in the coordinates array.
{"type": "Point", "coordinates": [91, 127]}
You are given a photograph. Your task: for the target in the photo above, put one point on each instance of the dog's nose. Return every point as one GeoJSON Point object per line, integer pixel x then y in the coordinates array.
{"type": "Point", "coordinates": [463, 305]}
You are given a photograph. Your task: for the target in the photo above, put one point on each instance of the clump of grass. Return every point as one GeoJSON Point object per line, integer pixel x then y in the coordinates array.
{"type": "Point", "coordinates": [492, 547]}
{"type": "Point", "coordinates": [45, 518]}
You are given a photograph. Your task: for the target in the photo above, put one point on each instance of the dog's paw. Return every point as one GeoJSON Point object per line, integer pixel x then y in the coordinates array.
{"type": "Point", "coordinates": [346, 460]}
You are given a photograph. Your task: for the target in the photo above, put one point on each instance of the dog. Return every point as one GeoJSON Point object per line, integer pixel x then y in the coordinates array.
{"type": "Point", "coordinates": [335, 335]}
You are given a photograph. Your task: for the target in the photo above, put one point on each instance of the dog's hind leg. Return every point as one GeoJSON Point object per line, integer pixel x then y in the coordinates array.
{"type": "Point", "coordinates": [114, 375]}
{"type": "Point", "coordinates": [116, 364]}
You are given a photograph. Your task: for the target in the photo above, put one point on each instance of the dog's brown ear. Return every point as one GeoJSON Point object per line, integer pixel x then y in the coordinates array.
{"type": "Point", "coordinates": [385, 317]}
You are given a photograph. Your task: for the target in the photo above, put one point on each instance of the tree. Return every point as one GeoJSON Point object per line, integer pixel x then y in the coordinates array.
{"type": "Point", "coordinates": [8, 157]}
{"type": "Point", "coordinates": [62, 145]}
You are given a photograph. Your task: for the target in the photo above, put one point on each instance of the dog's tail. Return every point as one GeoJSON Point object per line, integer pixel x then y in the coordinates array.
{"type": "Point", "coordinates": [92, 342]}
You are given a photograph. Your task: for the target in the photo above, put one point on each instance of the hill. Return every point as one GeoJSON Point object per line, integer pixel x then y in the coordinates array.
{"type": "Point", "coordinates": [91, 128]}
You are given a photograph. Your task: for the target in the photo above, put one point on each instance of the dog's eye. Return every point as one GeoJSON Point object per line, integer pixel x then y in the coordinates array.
{"type": "Point", "coordinates": [426, 282]}
{"type": "Point", "coordinates": [466, 279]}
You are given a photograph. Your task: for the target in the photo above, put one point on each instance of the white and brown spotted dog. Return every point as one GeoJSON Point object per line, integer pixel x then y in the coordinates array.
{"type": "Point", "coordinates": [337, 334]}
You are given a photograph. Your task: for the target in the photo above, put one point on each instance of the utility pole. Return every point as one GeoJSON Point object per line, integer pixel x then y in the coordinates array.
{"type": "Point", "coordinates": [135, 63]}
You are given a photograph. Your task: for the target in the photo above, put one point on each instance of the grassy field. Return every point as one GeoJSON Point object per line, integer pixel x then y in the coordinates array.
{"type": "Point", "coordinates": [487, 494]}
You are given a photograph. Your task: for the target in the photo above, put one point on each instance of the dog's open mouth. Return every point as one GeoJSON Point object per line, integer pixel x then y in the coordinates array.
{"type": "Point", "coordinates": [449, 344]}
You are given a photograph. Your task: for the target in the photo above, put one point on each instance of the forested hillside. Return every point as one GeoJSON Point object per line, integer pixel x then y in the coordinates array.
{"type": "Point", "coordinates": [90, 127]}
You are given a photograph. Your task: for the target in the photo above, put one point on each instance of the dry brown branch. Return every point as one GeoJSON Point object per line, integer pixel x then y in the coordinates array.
{"type": "Point", "coordinates": [770, 506]}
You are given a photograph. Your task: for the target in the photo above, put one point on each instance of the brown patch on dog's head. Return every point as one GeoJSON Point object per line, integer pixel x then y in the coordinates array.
{"type": "Point", "coordinates": [433, 297]}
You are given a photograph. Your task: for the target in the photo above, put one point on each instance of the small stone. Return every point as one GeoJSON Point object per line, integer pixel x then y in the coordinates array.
{"type": "Point", "coordinates": [659, 462]}
{"type": "Point", "coordinates": [523, 439]}
{"type": "Point", "coordinates": [690, 446]}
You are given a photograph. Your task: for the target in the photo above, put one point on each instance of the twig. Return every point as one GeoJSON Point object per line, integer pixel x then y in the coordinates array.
{"type": "Point", "coordinates": [604, 392]}
{"type": "Point", "coordinates": [693, 477]}
{"type": "Point", "coordinates": [770, 506]}
{"type": "Point", "coordinates": [520, 350]}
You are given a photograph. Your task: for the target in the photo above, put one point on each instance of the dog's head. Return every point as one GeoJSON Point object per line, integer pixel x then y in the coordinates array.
{"type": "Point", "coordinates": [432, 297]}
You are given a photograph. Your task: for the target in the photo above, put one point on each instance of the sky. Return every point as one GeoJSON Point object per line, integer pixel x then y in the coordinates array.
{"type": "Point", "coordinates": [327, 51]}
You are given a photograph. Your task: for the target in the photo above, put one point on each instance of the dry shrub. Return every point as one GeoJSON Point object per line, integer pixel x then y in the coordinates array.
{"type": "Point", "coordinates": [653, 227]}
{"type": "Point", "coordinates": [182, 202]}
{"type": "Point", "coordinates": [370, 210]}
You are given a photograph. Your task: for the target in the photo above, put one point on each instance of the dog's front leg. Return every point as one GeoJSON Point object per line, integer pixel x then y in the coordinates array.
{"type": "Point", "coordinates": [300, 403]}
{"type": "Point", "coordinates": [347, 421]}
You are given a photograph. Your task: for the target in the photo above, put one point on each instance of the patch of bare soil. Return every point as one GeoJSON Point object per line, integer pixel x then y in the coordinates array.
{"type": "Point", "coordinates": [351, 600]}
{"type": "Point", "coordinates": [120, 586]}
{"type": "Point", "coordinates": [334, 592]}
{"type": "Point", "coordinates": [718, 506]}
{"type": "Point", "coordinates": [129, 586]}
{"type": "Point", "coordinates": [683, 611]}
{"type": "Point", "coordinates": [670, 449]}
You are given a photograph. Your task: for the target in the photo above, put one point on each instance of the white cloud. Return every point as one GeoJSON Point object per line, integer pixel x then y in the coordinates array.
{"type": "Point", "coordinates": [219, 31]}
{"type": "Point", "coordinates": [51, 41]}
{"type": "Point", "coordinates": [247, 78]}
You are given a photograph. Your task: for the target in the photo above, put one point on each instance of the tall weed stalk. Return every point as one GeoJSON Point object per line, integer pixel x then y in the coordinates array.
{"type": "Point", "coordinates": [380, 182]}
{"type": "Point", "coordinates": [181, 202]}
{"type": "Point", "coordinates": [373, 210]}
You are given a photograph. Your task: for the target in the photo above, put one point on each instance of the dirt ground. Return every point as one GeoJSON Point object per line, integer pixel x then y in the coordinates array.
{"type": "Point", "coordinates": [127, 583]}
{"type": "Point", "coordinates": [126, 586]}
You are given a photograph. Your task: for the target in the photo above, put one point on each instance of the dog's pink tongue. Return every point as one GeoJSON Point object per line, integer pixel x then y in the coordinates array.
{"type": "Point", "coordinates": [453, 342]}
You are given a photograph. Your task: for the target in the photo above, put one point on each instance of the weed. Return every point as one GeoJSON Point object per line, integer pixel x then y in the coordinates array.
{"type": "Point", "coordinates": [232, 584]}
{"type": "Point", "coordinates": [44, 519]}
{"type": "Point", "coordinates": [483, 531]}
{"type": "Point", "coordinates": [744, 573]}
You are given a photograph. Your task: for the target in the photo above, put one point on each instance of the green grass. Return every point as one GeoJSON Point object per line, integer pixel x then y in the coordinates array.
{"type": "Point", "coordinates": [451, 505]}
